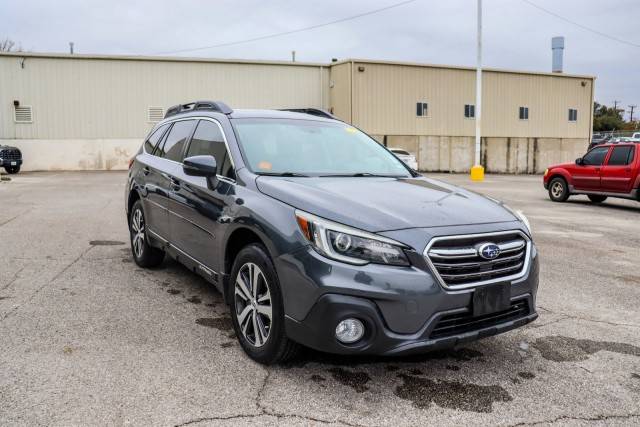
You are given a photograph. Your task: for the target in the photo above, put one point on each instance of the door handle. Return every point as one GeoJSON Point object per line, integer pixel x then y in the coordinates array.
{"type": "Point", "coordinates": [146, 170]}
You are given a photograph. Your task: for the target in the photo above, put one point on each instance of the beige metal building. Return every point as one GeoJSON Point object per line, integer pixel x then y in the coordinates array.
{"type": "Point", "coordinates": [70, 112]}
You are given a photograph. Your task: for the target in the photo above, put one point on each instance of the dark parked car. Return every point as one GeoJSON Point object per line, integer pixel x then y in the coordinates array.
{"type": "Point", "coordinates": [317, 235]}
{"type": "Point", "coordinates": [10, 159]}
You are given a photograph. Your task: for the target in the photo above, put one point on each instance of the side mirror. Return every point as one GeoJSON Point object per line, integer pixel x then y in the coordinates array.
{"type": "Point", "coordinates": [579, 161]}
{"type": "Point", "coordinates": [205, 166]}
{"type": "Point", "coordinates": [200, 166]}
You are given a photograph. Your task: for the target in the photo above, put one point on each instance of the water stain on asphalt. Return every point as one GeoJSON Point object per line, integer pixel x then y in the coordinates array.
{"type": "Point", "coordinates": [422, 392]}
{"type": "Point", "coordinates": [564, 349]}
{"type": "Point", "coordinates": [227, 344]}
{"type": "Point", "coordinates": [453, 367]}
{"type": "Point", "coordinates": [194, 300]}
{"type": "Point", "coordinates": [1, 298]}
{"type": "Point", "coordinates": [317, 378]}
{"type": "Point", "coordinates": [355, 380]}
{"type": "Point", "coordinates": [173, 291]}
{"type": "Point", "coordinates": [220, 323]}
{"type": "Point", "coordinates": [415, 371]}
{"type": "Point", "coordinates": [629, 279]}
{"type": "Point", "coordinates": [526, 375]}
{"type": "Point", "coordinates": [636, 376]}
{"type": "Point", "coordinates": [391, 368]}
{"type": "Point", "coordinates": [105, 243]}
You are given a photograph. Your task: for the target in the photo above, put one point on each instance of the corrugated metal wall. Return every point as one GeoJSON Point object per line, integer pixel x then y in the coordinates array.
{"type": "Point", "coordinates": [385, 97]}
{"type": "Point", "coordinates": [108, 98]}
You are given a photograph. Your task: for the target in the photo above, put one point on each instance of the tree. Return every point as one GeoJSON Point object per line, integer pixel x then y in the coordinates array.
{"type": "Point", "coordinates": [606, 118]}
{"type": "Point", "coordinates": [8, 45]}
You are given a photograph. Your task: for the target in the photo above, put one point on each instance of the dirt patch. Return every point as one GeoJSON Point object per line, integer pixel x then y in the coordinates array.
{"type": "Point", "coordinates": [564, 349]}
{"type": "Point", "coordinates": [629, 279]}
{"type": "Point", "coordinates": [220, 323]}
{"type": "Point", "coordinates": [526, 375]}
{"type": "Point", "coordinates": [173, 291]}
{"type": "Point", "coordinates": [422, 392]}
{"type": "Point", "coordinates": [194, 300]}
{"type": "Point", "coordinates": [355, 380]}
{"type": "Point", "coordinates": [317, 378]}
{"type": "Point", "coordinates": [636, 376]}
{"type": "Point", "coordinates": [106, 243]}
{"type": "Point", "coordinates": [227, 344]}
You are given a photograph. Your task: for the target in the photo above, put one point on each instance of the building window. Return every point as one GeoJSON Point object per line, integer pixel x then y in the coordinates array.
{"type": "Point", "coordinates": [524, 113]}
{"type": "Point", "coordinates": [470, 111]}
{"type": "Point", "coordinates": [422, 109]}
{"type": "Point", "coordinates": [573, 115]}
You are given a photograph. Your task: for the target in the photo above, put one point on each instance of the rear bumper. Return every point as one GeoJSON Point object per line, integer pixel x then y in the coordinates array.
{"type": "Point", "coordinates": [318, 329]}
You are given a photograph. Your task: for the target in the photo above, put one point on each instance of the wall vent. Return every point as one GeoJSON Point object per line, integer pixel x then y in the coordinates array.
{"type": "Point", "coordinates": [23, 114]}
{"type": "Point", "coordinates": [155, 114]}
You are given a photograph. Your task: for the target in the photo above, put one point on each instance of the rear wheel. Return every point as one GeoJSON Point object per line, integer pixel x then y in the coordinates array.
{"type": "Point", "coordinates": [597, 199]}
{"type": "Point", "coordinates": [257, 309]}
{"type": "Point", "coordinates": [12, 169]}
{"type": "Point", "coordinates": [144, 254]}
{"type": "Point", "coordinates": [558, 190]}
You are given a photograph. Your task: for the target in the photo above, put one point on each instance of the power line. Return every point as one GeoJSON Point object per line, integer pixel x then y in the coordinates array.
{"type": "Point", "coordinates": [584, 27]}
{"type": "Point", "coordinates": [298, 30]}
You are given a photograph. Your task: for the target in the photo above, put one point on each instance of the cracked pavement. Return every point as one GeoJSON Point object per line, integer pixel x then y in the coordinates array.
{"type": "Point", "coordinates": [88, 338]}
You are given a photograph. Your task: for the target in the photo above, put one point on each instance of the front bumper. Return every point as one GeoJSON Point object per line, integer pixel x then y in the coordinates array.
{"type": "Point", "coordinates": [7, 162]}
{"type": "Point", "coordinates": [402, 308]}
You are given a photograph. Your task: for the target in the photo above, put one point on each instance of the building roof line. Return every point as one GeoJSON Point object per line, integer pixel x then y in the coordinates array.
{"type": "Point", "coordinates": [275, 62]}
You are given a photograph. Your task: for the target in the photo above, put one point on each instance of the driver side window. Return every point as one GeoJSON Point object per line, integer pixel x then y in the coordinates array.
{"type": "Point", "coordinates": [596, 156]}
{"type": "Point", "coordinates": [208, 140]}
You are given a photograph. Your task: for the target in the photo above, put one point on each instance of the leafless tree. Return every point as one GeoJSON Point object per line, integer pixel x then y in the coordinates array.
{"type": "Point", "coordinates": [8, 45]}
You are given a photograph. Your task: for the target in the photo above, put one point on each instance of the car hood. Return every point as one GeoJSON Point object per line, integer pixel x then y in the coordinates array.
{"type": "Point", "coordinates": [562, 166]}
{"type": "Point", "coordinates": [384, 204]}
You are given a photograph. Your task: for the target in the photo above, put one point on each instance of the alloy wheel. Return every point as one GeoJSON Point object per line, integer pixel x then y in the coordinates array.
{"type": "Point", "coordinates": [137, 230]}
{"type": "Point", "coordinates": [557, 189]}
{"type": "Point", "coordinates": [253, 304]}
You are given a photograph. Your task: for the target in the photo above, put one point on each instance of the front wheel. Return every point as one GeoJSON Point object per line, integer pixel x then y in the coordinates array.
{"type": "Point", "coordinates": [144, 254]}
{"type": "Point", "coordinates": [558, 190]}
{"type": "Point", "coordinates": [257, 309]}
{"type": "Point", "coordinates": [597, 199]}
{"type": "Point", "coordinates": [11, 170]}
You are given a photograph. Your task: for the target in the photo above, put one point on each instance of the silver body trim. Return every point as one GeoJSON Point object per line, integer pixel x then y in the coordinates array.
{"type": "Point", "coordinates": [520, 274]}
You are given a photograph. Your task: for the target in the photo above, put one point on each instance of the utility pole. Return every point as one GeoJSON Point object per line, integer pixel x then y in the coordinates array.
{"type": "Point", "coordinates": [631, 107]}
{"type": "Point", "coordinates": [71, 48]}
{"type": "Point", "coordinates": [615, 105]}
{"type": "Point", "coordinates": [477, 171]}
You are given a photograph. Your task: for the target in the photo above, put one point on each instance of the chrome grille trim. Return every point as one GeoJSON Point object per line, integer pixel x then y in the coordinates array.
{"type": "Point", "coordinates": [437, 259]}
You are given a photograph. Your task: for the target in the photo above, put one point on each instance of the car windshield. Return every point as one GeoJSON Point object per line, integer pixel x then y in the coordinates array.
{"type": "Point", "coordinates": [313, 148]}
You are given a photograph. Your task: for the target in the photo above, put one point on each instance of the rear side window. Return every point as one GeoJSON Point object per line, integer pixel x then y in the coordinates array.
{"type": "Point", "coordinates": [596, 156]}
{"type": "Point", "coordinates": [174, 143]}
{"type": "Point", "coordinates": [152, 141]}
{"type": "Point", "coordinates": [621, 156]}
{"type": "Point", "coordinates": [209, 141]}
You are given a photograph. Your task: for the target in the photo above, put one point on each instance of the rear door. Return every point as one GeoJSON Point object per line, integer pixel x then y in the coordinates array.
{"type": "Point", "coordinates": [587, 175]}
{"type": "Point", "coordinates": [617, 174]}
{"type": "Point", "coordinates": [168, 154]}
{"type": "Point", "coordinates": [198, 208]}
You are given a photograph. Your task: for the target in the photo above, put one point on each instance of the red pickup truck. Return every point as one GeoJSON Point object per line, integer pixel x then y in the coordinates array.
{"type": "Point", "coordinates": [608, 170]}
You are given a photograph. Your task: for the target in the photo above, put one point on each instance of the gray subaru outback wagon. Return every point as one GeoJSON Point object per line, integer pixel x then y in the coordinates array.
{"type": "Point", "coordinates": [317, 235]}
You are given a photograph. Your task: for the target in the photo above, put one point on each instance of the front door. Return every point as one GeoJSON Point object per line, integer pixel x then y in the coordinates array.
{"type": "Point", "coordinates": [197, 205]}
{"type": "Point", "coordinates": [617, 174]}
{"type": "Point", "coordinates": [587, 175]}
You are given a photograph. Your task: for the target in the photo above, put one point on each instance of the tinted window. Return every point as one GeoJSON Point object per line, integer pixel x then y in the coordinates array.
{"type": "Point", "coordinates": [596, 156]}
{"type": "Point", "coordinates": [573, 115]}
{"type": "Point", "coordinates": [469, 111]}
{"type": "Point", "coordinates": [524, 113]}
{"type": "Point", "coordinates": [152, 141]}
{"type": "Point", "coordinates": [208, 140]}
{"type": "Point", "coordinates": [174, 143]}
{"type": "Point", "coordinates": [422, 109]}
{"type": "Point", "coordinates": [621, 156]}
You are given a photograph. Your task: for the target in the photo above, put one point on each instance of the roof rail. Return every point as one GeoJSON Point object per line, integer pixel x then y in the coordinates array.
{"type": "Point", "coordinates": [312, 111]}
{"type": "Point", "coordinates": [217, 106]}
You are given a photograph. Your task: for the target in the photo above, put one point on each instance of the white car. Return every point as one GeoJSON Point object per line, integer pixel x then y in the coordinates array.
{"type": "Point", "coordinates": [636, 135]}
{"type": "Point", "coordinates": [408, 158]}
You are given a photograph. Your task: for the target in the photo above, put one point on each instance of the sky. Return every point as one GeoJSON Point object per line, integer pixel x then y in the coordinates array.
{"type": "Point", "coordinates": [516, 35]}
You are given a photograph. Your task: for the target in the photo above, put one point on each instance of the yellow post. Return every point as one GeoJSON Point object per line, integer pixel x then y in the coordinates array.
{"type": "Point", "coordinates": [477, 173]}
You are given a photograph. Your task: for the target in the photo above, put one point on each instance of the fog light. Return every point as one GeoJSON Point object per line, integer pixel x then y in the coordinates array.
{"type": "Point", "coordinates": [349, 331]}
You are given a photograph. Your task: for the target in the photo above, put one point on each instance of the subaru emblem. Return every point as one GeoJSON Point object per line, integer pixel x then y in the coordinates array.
{"type": "Point", "coordinates": [489, 250]}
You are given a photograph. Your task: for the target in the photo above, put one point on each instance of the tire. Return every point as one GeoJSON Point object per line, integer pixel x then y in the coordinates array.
{"type": "Point", "coordinates": [597, 199]}
{"type": "Point", "coordinates": [558, 190]}
{"type": "Point", "coordinates": [254, 283]}
{"type": "Point", "coordinates": [145, 255]}
{"type": "Point", "coordinates": [11, 170]}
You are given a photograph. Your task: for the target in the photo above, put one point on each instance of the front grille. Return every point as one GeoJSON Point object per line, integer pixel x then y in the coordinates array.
{"type": "Point", "coordinates": [460, 323]}
{"type": "Point", "coordinates": [10, 154]}
{"type": "Point", "coordinates": [459, 264]}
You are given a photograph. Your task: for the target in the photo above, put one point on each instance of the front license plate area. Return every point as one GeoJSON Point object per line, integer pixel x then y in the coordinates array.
{"type": "Point", "coordinates": [491, 299]}
{"type": "Point", "coordinates": [14, 163]}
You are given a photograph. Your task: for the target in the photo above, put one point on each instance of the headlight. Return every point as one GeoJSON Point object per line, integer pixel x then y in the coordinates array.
{"type": "Point", "coordinates": [342, 243]}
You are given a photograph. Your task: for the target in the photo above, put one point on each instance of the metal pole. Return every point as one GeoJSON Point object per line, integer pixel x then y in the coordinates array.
{"type": "Point", "coordinates": [477, 172]}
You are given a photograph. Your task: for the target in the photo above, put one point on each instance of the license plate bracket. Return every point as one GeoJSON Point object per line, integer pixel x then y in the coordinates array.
{"type": "Point", "coordinates": [491, 299]}
{"type": "Point", "coordinates": [14, 163]}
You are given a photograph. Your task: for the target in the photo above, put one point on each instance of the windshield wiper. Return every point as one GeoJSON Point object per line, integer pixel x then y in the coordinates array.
{"type": "Point", "coordinates": [362, 174]}
{"type": "Point", "coordinates": [296, 174]}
